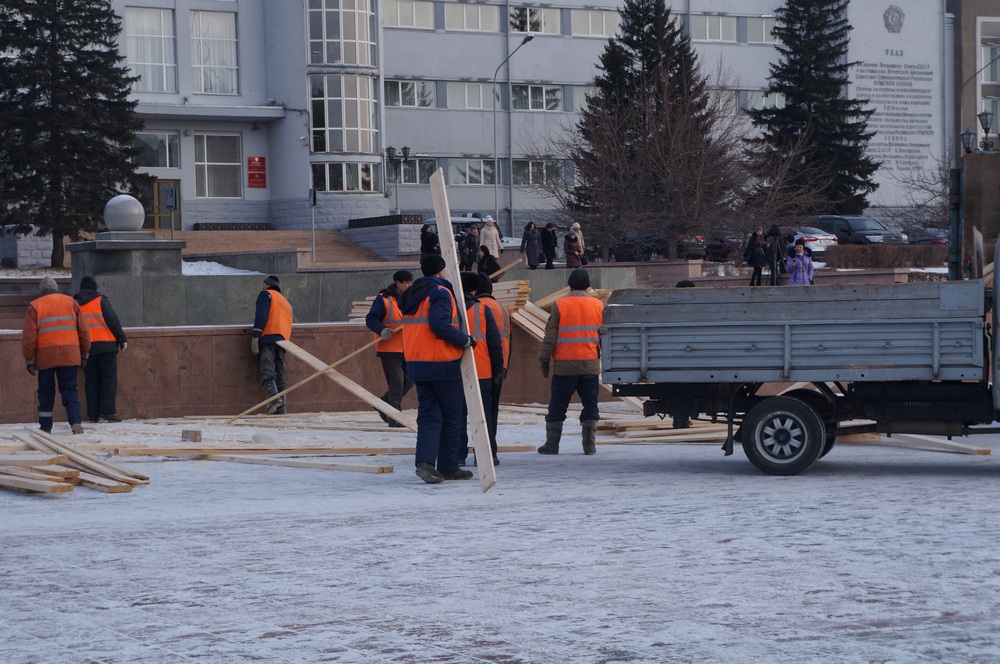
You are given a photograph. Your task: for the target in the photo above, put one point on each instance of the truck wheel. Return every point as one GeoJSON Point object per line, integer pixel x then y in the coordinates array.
{"type": "Point", "coordinates": [831, 440]}
{"type": "Point", "coordinates": [783, 436]}
{"type": "Point", "coordinates": [819, 403]}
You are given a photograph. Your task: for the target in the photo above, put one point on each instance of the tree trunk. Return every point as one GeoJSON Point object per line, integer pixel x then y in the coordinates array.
{"type": "Point", "coordinates": [58, 250]}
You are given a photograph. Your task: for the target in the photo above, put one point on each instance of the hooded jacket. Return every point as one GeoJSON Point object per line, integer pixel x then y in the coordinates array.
{"type": "Point", "coordinates": [86, 296]}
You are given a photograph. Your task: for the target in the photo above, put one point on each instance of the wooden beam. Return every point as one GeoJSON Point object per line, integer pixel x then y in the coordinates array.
{"type": "Point", "coordinates": [289, 451]}
{"type": "Point", "coordinates": [33, 486]}
{"type": "Point", "coordinates": [31, 459]}
{"type": "Point", "coordinates": [932, 444]}
{"type": "Point", "coordinates": [100, 466]}
{"type": "Point", "coordinates": [298, 463]}
{"type": "Point", "coordinates": [92, 481]}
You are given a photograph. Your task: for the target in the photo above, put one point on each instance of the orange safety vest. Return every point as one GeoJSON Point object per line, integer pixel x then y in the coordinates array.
{"type": "Point", "coordinates": [580, 320]}
{"type": "Point", "coordinates": [94, 315]}
{"type": "Point", "coordinates": [420, 344]}
{"type": "Point", "coordinates": [393, 319]}
{"type": "Point", "coordinates": [279, 316]}
{"type": "Point", "coordinates": [56, 321]}
{"type": "Point", "coordinates": [477, 329]}
{"type": "Point", "coordinates": [502, 317]}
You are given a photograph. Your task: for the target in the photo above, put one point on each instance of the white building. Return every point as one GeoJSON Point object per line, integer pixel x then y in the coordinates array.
{"type": "Point", "coordinates": [250, 103]}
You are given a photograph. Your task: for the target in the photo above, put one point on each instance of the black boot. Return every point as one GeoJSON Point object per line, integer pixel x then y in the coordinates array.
{"type": "Point", "coordinates": [553, 432]}
{"type": "Point", "coordinates": [274, 404]}
{"type": "Point", "coordinates": [589, 436]}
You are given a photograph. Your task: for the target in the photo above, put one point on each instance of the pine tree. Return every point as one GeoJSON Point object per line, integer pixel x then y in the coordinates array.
{"type": "Point", "coordinates": [830, 130]}
{"type": "Point", "coordinates": [66, 122]}
{"type": "Point", "coordinates": [647, 151]}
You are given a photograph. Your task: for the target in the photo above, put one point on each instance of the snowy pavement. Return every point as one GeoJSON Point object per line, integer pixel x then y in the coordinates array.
{"type": "Point", "coordinates": [642, 553]}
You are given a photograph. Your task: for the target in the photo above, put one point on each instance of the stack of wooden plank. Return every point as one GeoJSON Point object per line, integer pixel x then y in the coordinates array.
{"type": "Point", "coordinates": [360, 309]}
{"type": "Point", "coordinates": [512, 294]}
{"type": "Point", "coordinates": [55, 467]}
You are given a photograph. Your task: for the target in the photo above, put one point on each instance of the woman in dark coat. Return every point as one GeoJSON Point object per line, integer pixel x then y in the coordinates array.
{"type": "Point", "coordinates": [488, 265]}
{"type": "Point", "coordinates": [755, 254]}
{"type": "Point", "coordinates": [571, 247]}
{"type": "Point", "coordinates": [549, 243]}
{"type": "Point", "coordinates": [429, 243]}
{"type": "Point", "coordinates": [531, 245]}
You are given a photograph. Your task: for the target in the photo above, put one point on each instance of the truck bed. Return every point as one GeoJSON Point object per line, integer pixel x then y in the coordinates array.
{"type": "Point", "coordinates": [898, 332]}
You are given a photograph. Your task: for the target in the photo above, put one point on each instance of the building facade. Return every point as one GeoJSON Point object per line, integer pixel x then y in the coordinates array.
{"type": "Point", "coordinates": [250, 104]}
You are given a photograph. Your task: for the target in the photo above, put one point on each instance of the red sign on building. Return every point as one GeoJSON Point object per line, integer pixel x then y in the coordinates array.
{"type": "Point", "coordinates": [257, 172]}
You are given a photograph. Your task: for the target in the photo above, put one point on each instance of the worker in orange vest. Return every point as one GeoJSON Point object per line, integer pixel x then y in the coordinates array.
{"type": "Point", "coordinates": [55, 343]}
{"type": "Point", "coordinates": [572, 347]}
{"type": "Point", "coordinates": [488, 354]}
{"type": "Point", "coordinates": [432, 343]}
{"type": "Point", "coordinates": [107, 339]}
{"type": "Point", "coordinates": [383, 319]}
{"type": "Point", "coordinates": [502, 317]}
{"type": "Point", "coordinates": [272, 323]}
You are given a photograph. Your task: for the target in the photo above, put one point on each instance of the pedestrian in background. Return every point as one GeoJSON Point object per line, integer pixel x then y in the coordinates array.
{"type": "Point", "coordinates": [572, 349]}
{"type": "Point", "coordinates": [799, 266]}
{"type": "Point", "coordinates": [491, 236]}
{"type": "Point", "coordinates": [107, 339]}
{"type": "Point", "coordinates": [583, 245]}
{"type": "Point", "coordinates": [550, 241]}
{"type": "Point", "coordinates": [429, 243]}
{"type": "Point", "coordinates": [272, 323]}
{"type": "Point", "coordinates": [489, 358]}
{"type": "Point", "coordinates": [571, 249]}
{"type": "Point", "coordinates": [55, 343]}
{"type": "Point", "coordinates": [486, 263]}
{"type": "Point", "coordinates": [755, 254]}
{"type": "Point", "coordinates": [470, 250]}
{"type": "Point", "coordinates": [775, 253]}
{"type": "Point", "coordinates": [502, 318]}
{"type": "Point", "coordinates": [432, 344]}
{"type": "Point", "coordinates": [384, 317]}
{"type": "Point", "coordinates": [531, 245]}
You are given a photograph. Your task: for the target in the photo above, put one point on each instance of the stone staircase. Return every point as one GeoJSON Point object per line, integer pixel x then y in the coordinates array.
{"type": "Point", "coordinates": [333, 249]}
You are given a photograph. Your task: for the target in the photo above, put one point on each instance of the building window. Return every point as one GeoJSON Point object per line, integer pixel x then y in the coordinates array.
{"type": "Point", "coordinates": [991, 64]}
{"type": "Point", "coordinates": [409, 93]}
{"type": "Point", "coordinates": [149, 41]}
{"type": "Point", "coordinates": [536, 97]}
{"type": "Point", "coordinates": [760, 30]}
{"type": "Point", "coordinates": [535, 19]}
{"type": "Point", "coordinates": [218, 166]}
{"type": "Point", "coordinates": [594, 23]}
{"type": "Point", "coordinates": [468, 95]}
{"type": "Point", "coordinates": [713, 28]}
{"type": "Point", "coordinates": [535, 173]}
{"type": "Point", "coordinates": [341, 32]}
{"type": "Point", "coordinates": [415, 171]}
{"type": "Point", "coordinates": [213, 53]}
{"type": "Point", "coordinates": [343, 113]}
{"type": "Point", "coordinates": [479, 18]}
{"type": "Point", "coordinates": [580, 94]}
{"type": "Point", "coordinates": [159, 149]}
{"type": "Point", "coordinates": [408, 14]}
{"type": "Point", "coordinates": [471, 171]}
{"type": "Point", "coordinates": [758, 99]}
{"type": "Point", "coordinates": [360, 177]}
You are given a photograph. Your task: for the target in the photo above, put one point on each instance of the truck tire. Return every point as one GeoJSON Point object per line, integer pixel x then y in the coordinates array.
{"type": "Point", "coordinates": [819, 403]}
{"type": "Point", "coordinates": [783, 436]}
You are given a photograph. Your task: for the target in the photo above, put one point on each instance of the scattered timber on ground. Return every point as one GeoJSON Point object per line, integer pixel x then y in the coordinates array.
{"type": "Point", "coordinates": [298, 463]}
{"type": "Point", "coordinates": [928, 444]}
{"type": "Point", "coordinates": [288, 451]}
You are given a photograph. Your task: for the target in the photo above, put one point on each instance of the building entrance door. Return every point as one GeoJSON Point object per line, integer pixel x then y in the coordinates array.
{"type": "Point", "coordinates": [166, 205]}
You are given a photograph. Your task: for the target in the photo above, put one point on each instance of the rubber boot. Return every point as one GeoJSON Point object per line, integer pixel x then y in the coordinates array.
{"type": "Point", "coordinates": [281, 401]}
{"type": "Point", "coordinates": [553, 432]}
{"type": "Point", "coordinates": [589, 436]}
{"type": "Point", "coordinates": [274, 404]}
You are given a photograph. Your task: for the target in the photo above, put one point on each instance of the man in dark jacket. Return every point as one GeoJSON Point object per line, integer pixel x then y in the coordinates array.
{"type": "Point", "coordinates": [107, 338]}
{"type": "Point", "coordinates": [549, 243]}
{"type": "Point", "coordinates": [433, 343]}
{"type": "Point", "coordinates": [489, 356]}
{"type": "Point", "coordinates": [384, 317]}
{"type": "Point", "coordinates": [272, 323]}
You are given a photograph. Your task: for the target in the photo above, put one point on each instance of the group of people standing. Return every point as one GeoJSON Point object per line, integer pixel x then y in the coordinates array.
{"type": "Point", "coordinates": [536, 245]}
{"type": "Point", "coordinates": [769, 251]}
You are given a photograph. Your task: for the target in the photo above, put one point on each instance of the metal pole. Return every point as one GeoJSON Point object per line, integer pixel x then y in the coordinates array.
{"type": "Point", "coordinates": [496, 157]}
{"type": "Point", "coordinates": [313, 212]}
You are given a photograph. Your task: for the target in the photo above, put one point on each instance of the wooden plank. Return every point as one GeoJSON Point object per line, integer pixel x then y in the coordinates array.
{"type": "Point", "coordinates": [31, 459]}
{"type": "Point", "coordinates": [479, 434]}
{"type": "Point", "coordinates": [30, 473]}
{"type": "Point", "coordinates": [114, 471]}
{"type": "Point", "coordinates": [92, 481]}
{"type": "Point", "coordinates": [545, 303]}
{"type": "Point", "coordinates": [33, 486]}
{"type": "Point", "coordinates": [57, 471]}
{"type": "Point", "coordinates": [298, 463]}
{"type": "Point", "coordinates": [77, 459]}
{"type": "Point", "coordinates": [932, 444]}
{"type": "Point", "coordinates": [348, 384]}
{"type": "Point", "coordinates": [290, 451]}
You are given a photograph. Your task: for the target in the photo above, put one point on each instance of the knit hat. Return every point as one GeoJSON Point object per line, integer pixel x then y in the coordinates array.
{"type": "Point", "coordinates": [402, 275]}
{"type": "Point", "coordinates": [489, 219]}
{"type": "Point", "coordinates": [88, 282]}
{"type": "Point", "coordinates": [273, 282]}
{"type": "Point", "coordinates": [47, 284]}
{"type": "Point", "coordinates": [470, 282]}
{"type": "Point", "coordinates": [431, 264]}
{"type": "Point", "coordinates": [485, 284]}
{"type": "Point", "coordinates": [759, 229]}
{"type": "Point", "coordinates": [579, 279]}
{"type": "Point", "coordinates": [575, 226]}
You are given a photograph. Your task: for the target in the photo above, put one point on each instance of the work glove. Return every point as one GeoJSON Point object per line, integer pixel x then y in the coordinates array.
{"type": "Point", "coordinates": [385, 333]}
{"type": "Point", "coordinates": [83, 361]}
{"type": "Point", "coordinates": [544, 366]}
{"type": "Point", "coordinates": [255, 345]}
{"type": "Point", "coordinates": [31, 368]}
{"type": "Point", "coordinates": [497, 381]}
{"type": "Point", "coordinates": [122, 346]}
{"type": "Point", "coordinates": [471, 343]}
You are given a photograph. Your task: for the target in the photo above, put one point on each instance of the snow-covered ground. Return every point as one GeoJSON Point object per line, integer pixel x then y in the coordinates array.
{"type": "Point", "coordinates": [642, 553]}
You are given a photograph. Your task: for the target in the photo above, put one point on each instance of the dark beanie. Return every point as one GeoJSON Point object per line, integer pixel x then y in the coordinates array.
{"type": "Point", "coordinates": [273, 281]}
{"type": "Point", "coordinates": [579, 279]}
{"type": "Point", "coordinates": [402, 275]}
{"type": "Point", "coordinates": [431, 264]}
{"type": "Point", "coordinates": [485, 284]}
{"type": "Point", "coordinates": [470, 282]}
{"type": "Point", "coordinates": [486, 250]}
{"type": "Point", "coordinates": [88, 283]}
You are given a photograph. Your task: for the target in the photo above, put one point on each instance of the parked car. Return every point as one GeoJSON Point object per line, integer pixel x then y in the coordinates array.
{"type": "Point", "coordinates": [723, 246]}
{"type": "Point", "coordinates": [856, 229]}
{"type": "Point", "coordinates": [644, 246]}
{"type": "Point", "coordinates": [816, 241]}
{"type": "Point", "coordinates": [926, 235]}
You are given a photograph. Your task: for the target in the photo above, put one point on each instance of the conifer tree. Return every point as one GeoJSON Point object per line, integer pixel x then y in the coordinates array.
{"type": "Point", "coordinates": [830, 130]}
{"type": "Point", "coordinates": [66, 122]}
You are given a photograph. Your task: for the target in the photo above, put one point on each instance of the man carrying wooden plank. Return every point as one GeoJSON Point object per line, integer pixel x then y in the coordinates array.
{"type": "Point", "coordinates": [572, 343]}
{"type": "Point", "coordinates": [272, 323]}
{"type": "Point", "coordinates": [384, 317]}
{"type": "Point", "coordinates": [432, 344]}
{"type": "Point", "coordinates": [489, 358]}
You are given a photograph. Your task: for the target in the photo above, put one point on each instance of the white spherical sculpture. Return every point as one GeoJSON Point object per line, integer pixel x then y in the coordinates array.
{"type": "Point", "coordinates": [124, 213]}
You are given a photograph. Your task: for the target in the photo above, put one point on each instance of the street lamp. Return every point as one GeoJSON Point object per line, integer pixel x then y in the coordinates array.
{"type": "Point", "coordinates": [968, 139]}
{"type": "Point", "coordinates": [986, 121]}
{"type": "Point", "coordinates": [496, 159]}
{"type": "Point", "coordinates": [390, 153]}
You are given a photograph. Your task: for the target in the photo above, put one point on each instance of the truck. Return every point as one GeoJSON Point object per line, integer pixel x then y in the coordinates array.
{"type": "Point", "coordinates": [790, 369]}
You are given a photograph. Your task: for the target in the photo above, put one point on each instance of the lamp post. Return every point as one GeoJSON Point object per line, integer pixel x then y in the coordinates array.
{"type": "Point", "coordinates": [390, 153]}
{"type": "Point", "coordinates": [985, 121]}
{"type": "Point", "coordinates": [496, 159]}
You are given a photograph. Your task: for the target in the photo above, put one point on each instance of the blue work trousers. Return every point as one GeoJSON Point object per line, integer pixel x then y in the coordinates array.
{"type": "Point", "coordinates": [65, 377]}
{"type": "Point", "coordinates": [563, 388]}
{"type": "Point", "coordinates": [439, 423]}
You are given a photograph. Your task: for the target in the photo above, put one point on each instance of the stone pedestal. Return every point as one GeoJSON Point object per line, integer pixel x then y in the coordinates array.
{"type": "Point", "coordinates": [124, 253]}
